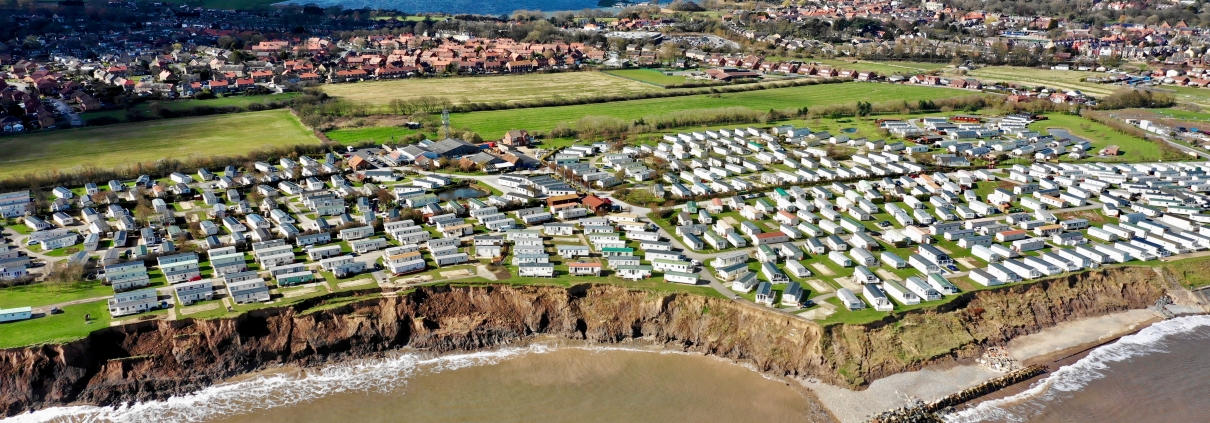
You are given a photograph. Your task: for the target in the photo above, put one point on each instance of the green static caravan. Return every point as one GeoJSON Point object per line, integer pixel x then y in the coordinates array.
{"type": "Point", "coordinates": [295, 278]}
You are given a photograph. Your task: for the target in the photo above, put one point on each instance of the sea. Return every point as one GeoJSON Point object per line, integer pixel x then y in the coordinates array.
{"type": "Point", "coordinates": [473, 7]}
{"type": "Point", "coordinates": [1159, 374]}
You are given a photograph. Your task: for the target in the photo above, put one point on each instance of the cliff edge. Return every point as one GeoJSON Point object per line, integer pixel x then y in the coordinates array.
{"type": "Point", "coordinates": [154, 360]}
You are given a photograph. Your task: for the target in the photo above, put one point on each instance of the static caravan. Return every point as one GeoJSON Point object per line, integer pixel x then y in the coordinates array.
{"type": "Point", "coordinates": [839, 258]}
{"type": "Point", "coordinates": [986, 254]}
{"type": "Point", "coordinates": [1002, 273]}
{"type": "Point", "coordinates": [893, 260]}
{"type": "Point", "coordinates": [849, 300]}
{"type": "Point", "coordinates": [941, 284]}
{"type": "Point", "coordinates": [983, 278]}
{"type": "Point", "coordinates": [797, 269]}
{"type": "Point", "coordinates": [1043, 266]}
{"type": "Point", "coordinates": [765, 294]}
{"type": "Point", "coordinates": [900, 293]}
{"type": "Point", "coordinates": [922, 289]}
{"type": "Point", "coordinates": [1003, 251]}
{"type": "Point", "coordinates": [877, 297]}
{"type": "Point", "coordinates": [1021, 269]}
{"type": "Point", "coordinates": [772, 273]}
{"type": "Point", "coordinates": [745, 283]}
{"type": "Point", "coordinates": [861, 274]}
{"type": "Point", "coordinates": [922, 264]}
{"type": "Point", "coordinates": [1057, 260]}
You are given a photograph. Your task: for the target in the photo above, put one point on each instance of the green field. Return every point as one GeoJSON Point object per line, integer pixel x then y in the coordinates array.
{"type": "Point", "coordinates": [377, 134]}
{"type": "Point", "coordinates": [1133, 149]}
{"type": "Point", "coordinates": [123, 144]}
{"type": "Point", "coordinates": [493, 124]}
{"type": "Point", "coordinates": [145, 108]}
{"type": "Point", "coordinates": [501, 88]}
{"type": "Point", "coordinates": [650, 76]}
{"type": "Point", "coordinates": [44, 294]}
{"type": "Point", "coordinates": [56, 328]}
{"type": "Point", "coordinates": [1178, 114]}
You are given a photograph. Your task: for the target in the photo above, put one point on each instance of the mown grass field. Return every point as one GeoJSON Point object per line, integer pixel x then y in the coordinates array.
{"type": "Point", "coordinates": [493, 124]}
{"type": "Point", "coordinates": [650, 76]}
{"type": "Point", "coordinates": [1133, 149]}
{"type": "Point", "coordinates": [378, 134]}
{"type": "Point", "coordinates": [145, 108]}
{"type": "Point", "coordinates": [114, 145]}
{"type": "Point", "coordinates": [503, 88]}
{"type": "Point", "coordinates": [56, 328]}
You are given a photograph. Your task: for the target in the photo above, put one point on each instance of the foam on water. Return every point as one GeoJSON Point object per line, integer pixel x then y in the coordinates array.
{"type": "Point", "coordinates": [281, 389]}
{"type": "Point", "coordinates": [287, 388]}
{"type": "Point", "coordinates": [1074, 377]}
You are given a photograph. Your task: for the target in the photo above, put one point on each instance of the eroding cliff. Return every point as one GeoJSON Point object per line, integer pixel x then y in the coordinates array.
{"type": "Point", "coordinates": [158, 359]}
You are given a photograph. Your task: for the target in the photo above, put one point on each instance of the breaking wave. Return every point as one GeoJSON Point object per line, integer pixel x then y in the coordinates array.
{"type": "Point", "coordinates": [262, 391]}
{"type": "Point", "coordinates": [1072, 378]}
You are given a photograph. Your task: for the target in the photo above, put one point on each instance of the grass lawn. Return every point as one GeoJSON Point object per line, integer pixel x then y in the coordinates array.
{"type": "Point", "coordinates": [650, 76]}
{"type": "Point", "coordinates": [45, 294]}
{"type": "Point", "coordinates": [21, 229]}
{"type": "Point", "coordinates": [57, 328]}
{"type": "Point", "coordinates": [1179, 114]}
{"type": "Point", "coordinates": [1193, 273]}
{"type": "Point", "coordinates": [493, 124]}
{"type": "Point", "coordinates": [503, 88]}
{"type": "Point", "coordinates": [239, 100]}
{"type": "Point", "coordinates": [377, 134]}
{"type": "Point", "coordinates": [124, 144]}
{"type": "Point", "coordinates": [1133, 149]}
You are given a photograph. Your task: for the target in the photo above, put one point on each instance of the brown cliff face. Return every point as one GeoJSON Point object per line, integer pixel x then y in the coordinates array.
{"type": "Point", "coordinates": [158, 359]}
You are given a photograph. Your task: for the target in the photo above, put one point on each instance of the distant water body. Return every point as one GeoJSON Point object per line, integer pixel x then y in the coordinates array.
{"type": "Point", "coordinates": [474, 7]}
{"type": "Point", "coordinates": [1160, 374]}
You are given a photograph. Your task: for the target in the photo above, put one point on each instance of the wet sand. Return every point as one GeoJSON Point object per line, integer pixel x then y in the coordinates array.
{"type": "Point", "coordinates": [1054, 345]}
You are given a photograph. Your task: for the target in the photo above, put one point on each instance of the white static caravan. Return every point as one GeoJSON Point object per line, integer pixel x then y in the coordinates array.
{"type": "Point", "coordinates": [1021, 269]}
{"type": "Point", "coordinates": [1003, 251]}
{"type": "Point", "coordinates": [986, 254]}
{"type": "Point", "coordinates": [849, 300]}
{"type": "Point", "coordinates": [841, 259]}
{"type": "Point", "coordinates": [1043, 266]}
{"type": "Point", "coordinates": [922, 264]}
{"type": "Point", "coordinates": [984, 278]}
{"type": "Point", "coordinates": [1078, 258]}
{"type": "Point", "coordinates": [893, 260]}
{"type": "Point", "coordinates": [877, 297]}
{"type": "Point", "coordinates": [797, 269]}
{"type": "Point", "coordinates": [1002, 273]}
{"type": "Point", "coordinates": [1110, 254]}
{"type": "Point", "coordinates": [900, 293]}
{"type": "Point", "coordinates": [922, 289]}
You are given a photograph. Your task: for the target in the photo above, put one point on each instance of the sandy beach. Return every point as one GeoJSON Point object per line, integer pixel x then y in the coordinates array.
{"type": "Point", "coordinates": [936, 381]}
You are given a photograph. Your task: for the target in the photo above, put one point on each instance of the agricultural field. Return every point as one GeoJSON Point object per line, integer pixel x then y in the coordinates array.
{"type": "Point", "coordinates": [504, 88]}
{"type": "Point", "coordinates": [144, 109]}
{"type": "Point", "coordinates": [650, 76]}
{"type": "Point", "coordinates": [493, 124]}
{"type": "Point", "coordinates": [1065, 80]}
{"type": "Point", "coordinates": [114, 145]}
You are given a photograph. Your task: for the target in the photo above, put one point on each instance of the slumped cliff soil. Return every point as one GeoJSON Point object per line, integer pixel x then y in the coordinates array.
{"type": "Point", "coordinates": [155, 360]}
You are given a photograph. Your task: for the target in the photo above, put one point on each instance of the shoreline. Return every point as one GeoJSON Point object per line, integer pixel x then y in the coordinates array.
{"type": "Point", "coordinates": [1053, 347]}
